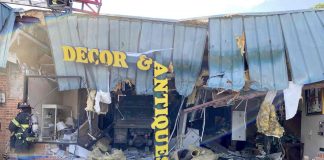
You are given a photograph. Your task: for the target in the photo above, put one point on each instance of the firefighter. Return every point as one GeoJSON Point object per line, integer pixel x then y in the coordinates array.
{"type": "Point", "coordinates": [21, 129]}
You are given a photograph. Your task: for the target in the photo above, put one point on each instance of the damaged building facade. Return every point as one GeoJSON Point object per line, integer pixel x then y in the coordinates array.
{"type": "Point", "coordinates": [246, 86]}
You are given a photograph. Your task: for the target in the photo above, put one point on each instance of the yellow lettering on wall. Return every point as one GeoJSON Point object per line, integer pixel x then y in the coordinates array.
{"type": "Point", "coordinates": [158, 112]}
{"type": "Point", "coordinates": [162, 100]}
{"type": "Point", "coordinates": [161, 85]}
{"type": "Point", "coordinates": [68, 53]}
{"type": "Point", "coordinates": [119, 59]}
{"type": "Point", "coordinates": [161, 150]}
{"type": "Point", "coordinates": [159, 69]}
{"type": "Point", "coordinates": [160, 122]}
{"type": "Point", "coordinates": [162, 135]}
{"type": "Point", "coordinates": [81, 54]}
{"type": "Point", "coordinates": [106, 57]}
{"type": "Point", "coordinates": [91, 54]}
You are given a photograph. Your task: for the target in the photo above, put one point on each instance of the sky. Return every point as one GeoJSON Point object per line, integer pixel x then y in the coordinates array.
{"type": "Point", "coordinates": [184, 9]}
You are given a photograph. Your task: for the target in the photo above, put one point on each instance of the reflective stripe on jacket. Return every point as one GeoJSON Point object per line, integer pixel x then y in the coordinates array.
{"type": "Point", "coordinates": [22, 126]}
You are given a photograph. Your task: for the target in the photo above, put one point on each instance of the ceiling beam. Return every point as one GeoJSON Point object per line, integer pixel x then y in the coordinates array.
{"type": "Point", "coordinates": [314, 85]}
{"type": "Point", "coordinates": [223, 101]}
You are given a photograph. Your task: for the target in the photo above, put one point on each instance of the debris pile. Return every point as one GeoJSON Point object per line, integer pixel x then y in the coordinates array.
{"type": "Point", "coordinates": [194, 153]}
{"type": "Point", "coordinates": [115, 154]}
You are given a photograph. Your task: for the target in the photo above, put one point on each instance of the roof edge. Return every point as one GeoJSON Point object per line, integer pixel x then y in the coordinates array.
{"type": "Point", "coordinates": [6, 5]}
{"type": "Point", "coordinates": [251, 14]}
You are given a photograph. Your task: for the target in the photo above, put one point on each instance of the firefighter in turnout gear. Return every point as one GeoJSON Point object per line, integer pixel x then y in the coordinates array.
{"type": "Point", "coordinates": [21, 130]}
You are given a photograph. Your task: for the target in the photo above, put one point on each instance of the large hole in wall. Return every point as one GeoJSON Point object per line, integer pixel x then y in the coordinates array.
{"type": "Point", "coordinates": [45, 98]}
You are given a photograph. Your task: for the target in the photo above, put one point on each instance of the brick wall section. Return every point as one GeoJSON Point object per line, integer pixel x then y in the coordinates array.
{"type": "Point", "coordinates": [7, 112]}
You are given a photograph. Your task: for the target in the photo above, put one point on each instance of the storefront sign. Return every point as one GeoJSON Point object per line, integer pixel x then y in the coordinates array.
{"type": "Point", "coordinates": [161, 121]}
{"type": "Point", "coordinates": [94, 56]}
{"type": "Point", "coordinates": [118, 59]}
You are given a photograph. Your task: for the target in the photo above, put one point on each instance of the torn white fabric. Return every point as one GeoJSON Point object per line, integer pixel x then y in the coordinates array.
{"type": "Point", "coordinates": [270, 96]}
{"type": "Point", "coordinates": [90, 100]}
{"type": "Point", "coordinates": [292, 95]}
{"type": "Point", "coordinates": [103, 97]}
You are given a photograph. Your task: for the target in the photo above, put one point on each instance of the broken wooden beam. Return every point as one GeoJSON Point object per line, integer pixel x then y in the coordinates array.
{"type": "Point", "coordinates": [314, 85]}
{"type": "Point", "coordinates": [223, 101]}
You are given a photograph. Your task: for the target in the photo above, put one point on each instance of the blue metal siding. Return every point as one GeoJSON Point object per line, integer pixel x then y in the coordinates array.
{"type": "Point", "coordinates": [265, 53]}
{"type": "Point", "coordinates": [34, 3]}
{"type": "Point", "coordinates": [226, 67]}
{"type": "Point", "coordinates": [130, 36]}
{"type": "Point", "coordinates": [7, 20]}
{"type": "Point", "coordinates": [304, 38]}
{"type": "Point", "coordinates": [269, 36]}
{"type": "Point", "coordinates": [62, 32]}
{"type": "Point", "coordinates": [189, 45]}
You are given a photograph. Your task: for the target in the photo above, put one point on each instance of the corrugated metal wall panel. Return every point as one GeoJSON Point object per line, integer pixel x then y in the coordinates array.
{"type": "Point", "coordinates": [265, 53]}
{"type": "Point", "coordinates": [144, 45]}
{"type": "Point", "coordinates": [189, 44]}
{"type": "Point", "coordinates": [304, 37]}
{"type": "Point", "coordinates": [267, 37]}
{"type": "Point", "coordinates": [131, 36]}
{"type": "Point", "coordinates": [156, 43]}
{"type": "Point", "coordinates": [277, 47]}
{"type": "Point", "coordinates": [7, 20]}
{"type": "Point", "coordinates": [124, 44]}
{"type": "Point", "coordinates": [4, 12]}
{"type": "Point", "coordinates": [34, 3]}
{"type": "Point", "coordinates": [96, 38]}
{"type": "Point", "coordinates": [135, 30]}
{"type": "Point", "coordinates": [60, 27]}
{"type": "Point", "coordinates": [226, 67]}
{"type": "Point", "coordinates": [102, 43]}
{"type": "Point", "coordinates": [196, 58]}
{"type": "Point", "coordinates": [114, 46]}
{"type": "Point", "coordinates": [300, 34]}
